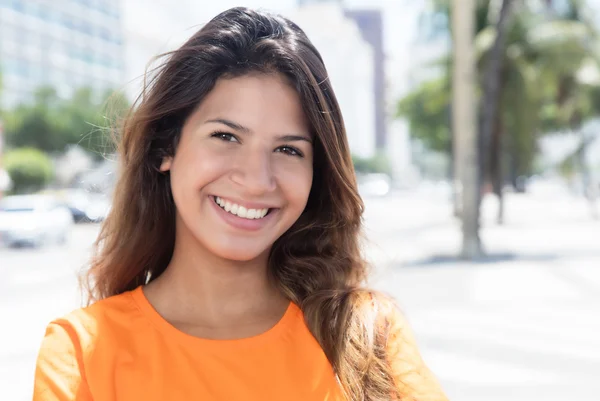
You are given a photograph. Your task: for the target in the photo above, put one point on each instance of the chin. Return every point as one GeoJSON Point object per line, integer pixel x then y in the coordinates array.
{"type": "Point", "coordinates": [239, 254]}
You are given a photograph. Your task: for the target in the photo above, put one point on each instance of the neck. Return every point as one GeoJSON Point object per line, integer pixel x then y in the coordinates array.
{"type": "Point", "coordinates": [198, 286]}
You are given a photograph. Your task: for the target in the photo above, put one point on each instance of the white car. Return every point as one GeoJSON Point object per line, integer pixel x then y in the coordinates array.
{"type": "Point", "coordinates": [374, 185]}
{"type": "Point", "coordinates": [33, 220]}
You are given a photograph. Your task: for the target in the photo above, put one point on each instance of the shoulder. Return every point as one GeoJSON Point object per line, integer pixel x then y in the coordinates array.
{"type": "Point", "coordinates": [401, 343]}
{"type": "Point", "coordinates": [73, 340]}
{"type": "Point", "coordinates": [384, 309]}
{"type": "Point", "coordinates": [412, 375]}
{"type": "Point", "coordinates": [105, 318]}
{"type": "Point", "coordinates": [381, 314]}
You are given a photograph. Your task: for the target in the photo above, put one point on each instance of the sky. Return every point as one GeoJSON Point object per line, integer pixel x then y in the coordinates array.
{"type": "Point", "coordinates": [160, 25]}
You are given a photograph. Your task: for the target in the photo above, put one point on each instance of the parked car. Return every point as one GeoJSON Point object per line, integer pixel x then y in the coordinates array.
{"type": "Point", "coordinates": [98, 209]}
{"type": "Point", "coordinates": [374, 185]}
{"type": "Point", "coordinates": [33, 220]}
{"type": "Point", "coordinates": [84, 206]}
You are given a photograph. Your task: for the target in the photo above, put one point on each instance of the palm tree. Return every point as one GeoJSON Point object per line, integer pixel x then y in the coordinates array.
{"type": "Point", "coordinates": [538, 85]}
{"type": "Point", "coordinates": [491, 122]}
{"type": "Point", "coordinates": [465, 123]}
{"type": "Point", "coordinates": [539, 71]}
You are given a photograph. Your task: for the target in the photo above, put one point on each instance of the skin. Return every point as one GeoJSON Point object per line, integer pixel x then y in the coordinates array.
{"type": "Point", "coordinates": [248, 142]}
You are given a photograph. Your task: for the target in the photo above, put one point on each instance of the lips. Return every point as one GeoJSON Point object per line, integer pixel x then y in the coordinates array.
{"type": "Point", "coordinates": [247, 223]}
{"type": "Point", "coordinates": [239, 210]}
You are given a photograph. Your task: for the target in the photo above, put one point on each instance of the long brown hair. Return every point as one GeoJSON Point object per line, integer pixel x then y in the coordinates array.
{"type": "Point", "coordinates": [317, 263]}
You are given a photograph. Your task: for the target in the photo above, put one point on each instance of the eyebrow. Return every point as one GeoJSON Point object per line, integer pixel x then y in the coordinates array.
{"type": "Point", "coordinates": [230, 124]}
{"type": "Point", "coordinates": [238, 127]}
{"type": "Point", "coordinates": [294, 138]}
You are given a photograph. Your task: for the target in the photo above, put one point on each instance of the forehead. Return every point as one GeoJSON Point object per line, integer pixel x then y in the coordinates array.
{"type": "Point", "coordinates": [261, 102]}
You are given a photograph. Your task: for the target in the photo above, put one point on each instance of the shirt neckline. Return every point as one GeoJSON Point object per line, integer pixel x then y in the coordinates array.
{"type": "Point", "coordinates": [169, 330]}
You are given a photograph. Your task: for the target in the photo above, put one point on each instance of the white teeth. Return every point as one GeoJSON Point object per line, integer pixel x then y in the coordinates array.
{"type": "Point", "coordinates": [241, 211]}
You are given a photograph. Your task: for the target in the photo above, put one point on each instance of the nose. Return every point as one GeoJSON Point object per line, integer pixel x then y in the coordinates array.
{"type": "Point", "coordinates": [254, 172]}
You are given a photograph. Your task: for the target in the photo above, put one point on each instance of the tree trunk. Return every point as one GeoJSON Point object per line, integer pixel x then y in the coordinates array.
{"type": "Point", "coordinates": [497, 168]}
{"type": "Point", "coordinates": [589, 185]}
{"type": "Point", "coordinates": [465, 122]}
{"type": "Point", "coordinates": [492, 78]}
{"type": "Point", "coordinates": [581, 160]}
{"type": "Point", "coordinates": [513, 171]}
{"type": "Point", "coordinates": [490, 129]}
{"type": "Point", "coordinates": [454, 177]}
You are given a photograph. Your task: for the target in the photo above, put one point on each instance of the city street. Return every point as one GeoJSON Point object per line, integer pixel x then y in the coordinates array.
{"type": "Point", "coordinates": [524, 325]}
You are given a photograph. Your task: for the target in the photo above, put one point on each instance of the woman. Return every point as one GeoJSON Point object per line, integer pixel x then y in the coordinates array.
{"type": "Point", "coordinates": [229, 267]}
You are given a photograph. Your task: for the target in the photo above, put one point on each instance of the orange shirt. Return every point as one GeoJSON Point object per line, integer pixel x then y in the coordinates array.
{"type": "Point", "coordinates": [120, 348]}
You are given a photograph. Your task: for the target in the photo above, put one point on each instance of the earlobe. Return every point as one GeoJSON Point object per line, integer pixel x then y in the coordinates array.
{"type": "Point", "coordinates": [166, 164]}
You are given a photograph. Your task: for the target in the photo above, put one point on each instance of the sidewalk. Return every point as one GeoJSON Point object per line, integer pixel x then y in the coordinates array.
{"type": "Point", "coordinates": [523, 325]}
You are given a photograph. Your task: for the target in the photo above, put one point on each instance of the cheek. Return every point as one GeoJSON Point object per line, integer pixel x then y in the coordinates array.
{"type": "Point", "coordinates": [193, 170]}
{"type": "Point", "coordinates": [296, 182]}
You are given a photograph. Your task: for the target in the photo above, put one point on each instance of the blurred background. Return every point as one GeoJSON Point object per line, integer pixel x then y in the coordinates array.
{"type": "Point", "coordinates": [474, 128]}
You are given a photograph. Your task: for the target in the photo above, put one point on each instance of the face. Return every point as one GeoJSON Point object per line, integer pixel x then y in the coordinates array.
{"type": "Point", "coordinates": [243, 168]}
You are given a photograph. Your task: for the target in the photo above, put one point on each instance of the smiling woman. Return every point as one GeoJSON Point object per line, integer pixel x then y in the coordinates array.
{"type": "Point", "coordinates": [236, 147]}
{"type": "Point", "coordinates": [229, 267]}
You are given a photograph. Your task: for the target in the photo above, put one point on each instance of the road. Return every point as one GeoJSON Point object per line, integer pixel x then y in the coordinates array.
{"type": "Point", "coordinates": [522, 326]}
{"type": "Point", "coordinates": [36, 287]}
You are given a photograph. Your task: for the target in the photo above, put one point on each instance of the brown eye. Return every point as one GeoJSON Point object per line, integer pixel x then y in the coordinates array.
{"type": "Point", "coordinates": [225, 136]}
{"type": "Point", "coordinates": [289, 151]}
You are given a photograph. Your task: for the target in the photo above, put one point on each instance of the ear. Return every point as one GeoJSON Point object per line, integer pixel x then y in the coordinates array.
{"type": "Point", "coordinates": [166, 164]}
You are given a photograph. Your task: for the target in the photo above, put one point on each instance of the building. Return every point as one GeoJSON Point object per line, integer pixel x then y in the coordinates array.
{"type": "Point", "coordinates": [66, 44]}
{"type": "Point", "coordinates": [350, 64]}
{"type": "Point", "coordinates": [370, 24]}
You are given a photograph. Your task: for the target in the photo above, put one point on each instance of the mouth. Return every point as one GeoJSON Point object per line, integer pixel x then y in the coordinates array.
{"type": "Point", "coordinates": [241, 211]}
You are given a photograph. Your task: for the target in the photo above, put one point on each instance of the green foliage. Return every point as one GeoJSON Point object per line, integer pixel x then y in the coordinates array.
{"type": "Point", "coordinates": [37, 125]}
{"type": "Point", "coordinates": [376, 164]}
{"type": "Point", "coordinates": [90, 123]}
{"type": "Point", "coordinates": [52, 123]}
{"type": "Point", "coordinates": [427, 110]}
{"type": "Point", "coordinates": [29, 169]}
{"type": "Point", "coordinates": [541, 85]}
{"type": "Point", "coordinates": [437, 21]}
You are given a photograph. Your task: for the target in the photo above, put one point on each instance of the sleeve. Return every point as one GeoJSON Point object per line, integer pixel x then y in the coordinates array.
{"type": "Point", "coordinates": [413, 378]}
{"type": "Point", "coordinates": [59, 371]}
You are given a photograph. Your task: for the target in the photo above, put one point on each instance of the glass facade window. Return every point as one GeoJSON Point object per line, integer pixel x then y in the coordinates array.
{"type": "Point", "coordinates": [53, 16]}
{"type": "Point", "coordinates": [52, 42]}
{"type": "Point", "coordinates": [87, 29]}
{"type": "Point", "coordinates": [18, 68]}
{"type": "Point", "coordinates": [17, 5]}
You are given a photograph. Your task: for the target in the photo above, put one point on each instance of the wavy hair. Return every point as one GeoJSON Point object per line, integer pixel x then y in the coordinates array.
{"type": "Point", "coordinates": [317, 263]}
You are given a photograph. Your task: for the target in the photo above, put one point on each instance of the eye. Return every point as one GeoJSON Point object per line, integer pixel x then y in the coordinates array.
{"type": "Point", "coordinates": [224, 136]}
{"type": "Point", "coordinates": [289, 151]}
